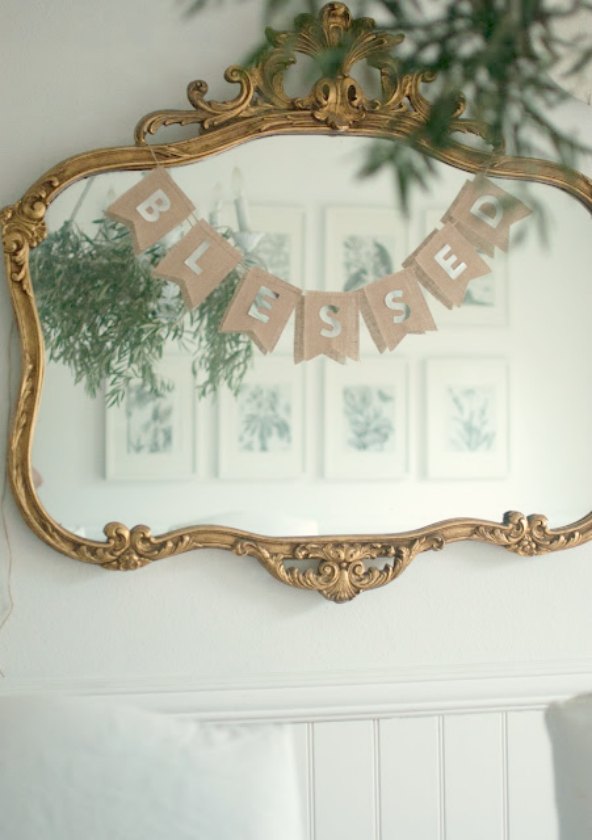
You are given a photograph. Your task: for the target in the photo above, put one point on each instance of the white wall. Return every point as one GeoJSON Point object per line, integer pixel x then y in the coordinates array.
{"type": "Point", "coordinates": [77, 75]}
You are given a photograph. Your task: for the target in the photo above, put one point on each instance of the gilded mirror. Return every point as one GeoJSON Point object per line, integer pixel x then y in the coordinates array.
{"type": "Point", "coordinates": [157, 407]}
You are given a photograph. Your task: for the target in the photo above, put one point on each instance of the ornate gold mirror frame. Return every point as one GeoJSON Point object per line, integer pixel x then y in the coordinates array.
{"type": "Point", "coordinates": [337, 567]}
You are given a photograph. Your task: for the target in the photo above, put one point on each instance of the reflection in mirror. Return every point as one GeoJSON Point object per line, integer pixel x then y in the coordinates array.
{"type": "Point", "coordinates": [469, 419]}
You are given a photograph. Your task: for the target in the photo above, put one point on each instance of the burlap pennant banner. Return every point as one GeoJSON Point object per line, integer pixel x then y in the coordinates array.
{"type": "Point", "coordinates": [199, 263]}
{"type": "Point", "coordinates": [151, 209]}
{"type": "Point", "coordinates": [261, 308]}
{"type": "Point", "coordinates": [445, 263]}
{"type": "Point", "coordinates": [327, 324]}
{"type": "Point", "coordinates": [484, 213]}
{"type": "Point", "coordinates": [393, 307]}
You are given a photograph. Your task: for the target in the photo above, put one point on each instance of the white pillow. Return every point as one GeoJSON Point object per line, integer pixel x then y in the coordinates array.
{"type": "Point", "coordinates": [84, 769]}
{"type": "Point", "coordinates": [570, 728]}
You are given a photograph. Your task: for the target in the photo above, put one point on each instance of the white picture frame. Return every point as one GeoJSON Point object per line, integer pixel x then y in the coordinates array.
{"type": "Point", "coordinates": [466, 411]}
{"type": "Point", "coordinates": [275, 236]}
{"type": "Point", "coordinates": [362, 244]}
{"type": "Point", "coordinates": [366, 419]}
{"type": "Point", "coordinates": [282, 245]}
{"type": "Point", "coordinates": [151, 438]}
{"type": "Point", "coordinates": [261, 430]}
{"type": "Point", "coordinates": [486, 298]}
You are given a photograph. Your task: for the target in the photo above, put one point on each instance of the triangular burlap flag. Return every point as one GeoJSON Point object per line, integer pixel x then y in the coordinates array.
{"type": "Point", "coordinates": [327, 323]}
{"type": "Point", "coordinates": [151, 209]}
{"type": "Point", "coordinates": [484, 212]}
{"type": "Point", "coordinates": [261, 307]}
{"type": "Point", "coordinates": [199, 263]}
{"type": "Point", "coordinates": [445, 263]}
{"type": "Point", "coordinates": [393, 307]}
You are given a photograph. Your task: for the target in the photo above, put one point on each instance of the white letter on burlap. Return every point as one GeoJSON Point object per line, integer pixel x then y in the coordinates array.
{"type": "Point", "coordinates": [482, 208]}
{"type": "Point", "coordinates": [198, 263]}
{"type": "Point", "coordinates": [192, 261]}
{"type": "Point", "coordinates": [393, 301]}
{"type": "Point", "coordinates": [327, 323]}
{"type": "Point", "coordinates": [484, 212]}
{"type": "Point", "coordinates": [450, 262]}
{"type": "Point", "coordinates": [263, 300]}
{"type": "Point", "coordinates": [446, 263]}
{"type": "Point", "coordinates": [400, 294]}
{"type": "Point", "coordinates": [154, 206]}
{"type": "Point", "coordinates": [151, 209]}
{"type": "Point", "coordinates": [261, 307]}
{"type": "Point", "coordinates": [327, 315]}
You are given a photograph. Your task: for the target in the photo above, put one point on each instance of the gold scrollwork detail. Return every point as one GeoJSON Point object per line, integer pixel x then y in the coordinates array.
{"type": "Point", "coordinates": [129, 549]}
{"type": "Point", "coordinates": [24, 227]}
{"type": "Point", "coordinates": [337, 100]}
{"type": "Point", "coordinates": [341, 572]}
{"type": "Point", "coordinates": [121, 552]}
{"type": "Point", "coordinates": [528, 535]}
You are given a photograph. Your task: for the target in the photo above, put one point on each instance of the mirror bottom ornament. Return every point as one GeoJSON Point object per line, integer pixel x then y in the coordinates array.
{"type": "Point", "coordinates": [337, 570]}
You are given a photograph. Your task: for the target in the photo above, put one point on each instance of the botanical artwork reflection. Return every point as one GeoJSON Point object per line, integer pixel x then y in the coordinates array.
{"type": "Point", "coordinates": [274, 250]}
{"type": "Point", "coordinates": [368, 413]}
{"type": "Point", "coordinates": [149, 421]}
{"type": "Point", "coordinates": [471, 419]}
{"type": "Point", "coordinates": [265, 418]}
{"type": "Point", "coordinates": [481, 292]}
{"type": "Point", "coordinates": [366, 420]}
{"type": "Point", "coordinates": [366, 258]}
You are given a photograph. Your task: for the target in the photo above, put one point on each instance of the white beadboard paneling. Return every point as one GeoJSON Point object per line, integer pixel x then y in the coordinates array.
{"type": "Point", "coordinates": [410, 778]}
{"type": "Point", "coordinates": [410, 757]}
{"type": "Point", "coordinates": [345, 783]}
{"type": "Point", "coordinates": [473, 761]}
{"type": "Point", "coordinates": [304, 749]}
{"type": "Point", "coordinates": [531, 799]}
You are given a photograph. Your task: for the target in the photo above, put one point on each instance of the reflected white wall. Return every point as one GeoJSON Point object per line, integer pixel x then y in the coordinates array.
{"type": "Point", "coordinates": [533, 337]}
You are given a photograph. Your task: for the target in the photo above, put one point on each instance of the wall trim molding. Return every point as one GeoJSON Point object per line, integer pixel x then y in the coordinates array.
{"type": "Point", "coordinates": [337, 696]}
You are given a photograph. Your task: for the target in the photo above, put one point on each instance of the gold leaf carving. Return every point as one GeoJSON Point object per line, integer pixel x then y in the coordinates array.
{"type": "Point", "coordinates": [342, 571]}
{"type": "Point", "coordinates": [23, 228]}
{"type": "Point", "coordinates": [337, 101]}
{"type": "Point", "coordinates": [528, 535]}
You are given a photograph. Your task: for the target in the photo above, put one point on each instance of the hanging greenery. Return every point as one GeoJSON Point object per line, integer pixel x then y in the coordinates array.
{"type": "Point", "coordinates": [108, 318]}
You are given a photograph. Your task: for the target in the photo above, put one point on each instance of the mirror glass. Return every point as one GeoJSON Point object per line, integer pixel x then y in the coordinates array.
{"type": "Point", "coordinates": [489, 413]}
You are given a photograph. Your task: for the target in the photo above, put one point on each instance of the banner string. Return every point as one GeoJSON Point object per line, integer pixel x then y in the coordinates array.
{"type": "Point", "coordinates": [157, 163]}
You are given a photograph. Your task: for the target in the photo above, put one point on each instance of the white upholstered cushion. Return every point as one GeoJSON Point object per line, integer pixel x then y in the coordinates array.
{"type": "Point", "coordinates": [570, 728]}
{"type": "Point", "coordinates": [82, 769]}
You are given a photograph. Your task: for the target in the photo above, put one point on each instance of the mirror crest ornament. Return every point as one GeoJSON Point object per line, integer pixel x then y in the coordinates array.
{"type": "Point", "coordinates": [338, 102]}
{"type": "Point", "coordinates": [339, 568]}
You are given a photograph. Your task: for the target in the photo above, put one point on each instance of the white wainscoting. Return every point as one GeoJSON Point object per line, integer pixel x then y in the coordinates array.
{"type": "Point", "coordinates": [449, 756]}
